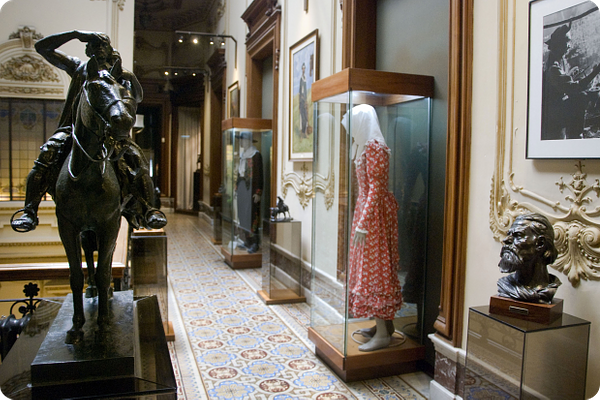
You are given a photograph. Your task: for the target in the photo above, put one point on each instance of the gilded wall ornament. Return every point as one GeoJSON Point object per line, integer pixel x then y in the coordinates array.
{"type": "Point", "coordinates": [303, 186]}
{"type": "Point", "coordinates": [27, 68]}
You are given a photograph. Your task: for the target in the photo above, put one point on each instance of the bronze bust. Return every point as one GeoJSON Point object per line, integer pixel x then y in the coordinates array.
{"type": "Point", "coordinates": [528, 249]}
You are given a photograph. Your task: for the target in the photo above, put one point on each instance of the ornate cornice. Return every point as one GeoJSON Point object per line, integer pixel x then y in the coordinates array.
{"type": "Point", "coordinates": [30, 91]}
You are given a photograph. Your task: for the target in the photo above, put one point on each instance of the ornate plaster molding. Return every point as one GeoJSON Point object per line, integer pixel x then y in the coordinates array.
{"type": "Point", "coordinates": [24, 73]}
{"type": "Point", "coordinates": [27, 68]}
{"type": "Point", "coordinates": [27, 35]}
{"type": "Point", "coordinates": [30, 91]}
{"type": "Point", "coordinates": [119, 3]}
{"type": "Point", "coordinates": [577, 228]}
{"type": "Point", "coordinates": [303, 186]}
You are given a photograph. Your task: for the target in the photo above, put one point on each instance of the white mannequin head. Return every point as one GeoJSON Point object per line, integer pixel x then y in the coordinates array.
{"type": "Point", "coordinates": [364, 127]}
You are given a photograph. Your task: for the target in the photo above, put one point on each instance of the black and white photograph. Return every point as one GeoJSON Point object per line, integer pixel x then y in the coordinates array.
{"type": "Point", "coordinates": [564, 80]}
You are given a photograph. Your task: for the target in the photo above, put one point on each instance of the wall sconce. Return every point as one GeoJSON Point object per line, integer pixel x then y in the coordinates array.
{"type": "Point", "coordinates": [212, 38]}
{"type": "Point", "coordinates": [211, 41]}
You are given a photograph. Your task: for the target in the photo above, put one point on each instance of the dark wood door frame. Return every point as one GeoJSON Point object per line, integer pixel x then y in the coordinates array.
{"type": "Point", "coordinates": [263, 18]}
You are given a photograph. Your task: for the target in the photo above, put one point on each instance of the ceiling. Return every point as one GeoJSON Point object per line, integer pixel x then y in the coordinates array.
{"type": "Point", "coordinates": [172, 15]}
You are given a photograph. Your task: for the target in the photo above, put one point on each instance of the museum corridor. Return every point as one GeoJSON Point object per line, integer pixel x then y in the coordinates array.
{"type": "Point", "coordinates": [230, 345]}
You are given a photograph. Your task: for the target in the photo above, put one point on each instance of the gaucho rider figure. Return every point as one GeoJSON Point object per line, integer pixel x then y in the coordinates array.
{"type": "Point", "coordinates": [131, 167]}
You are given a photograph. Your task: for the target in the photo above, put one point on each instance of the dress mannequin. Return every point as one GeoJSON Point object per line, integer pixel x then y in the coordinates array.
{"type": "Point", "coordinates": [373, 263]}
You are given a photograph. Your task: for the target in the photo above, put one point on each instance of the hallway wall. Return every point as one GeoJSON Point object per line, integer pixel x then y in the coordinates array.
{"type": "Point", "coordinates": [499, 118]}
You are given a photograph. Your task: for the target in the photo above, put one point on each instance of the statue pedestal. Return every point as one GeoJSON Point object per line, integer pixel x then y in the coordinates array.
{"type": "Point", "coordinates": [535, 312]}
{"type": "Point", "coordinates": [89, 365]}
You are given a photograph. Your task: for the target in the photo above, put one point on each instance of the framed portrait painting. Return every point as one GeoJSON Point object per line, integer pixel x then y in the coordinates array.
{"type": "Point", "coordinates": [563, 116]}
{"type": "Point", "coordinates": [304, 71]}
{"type": "Point", "coordinates": [233, 100]}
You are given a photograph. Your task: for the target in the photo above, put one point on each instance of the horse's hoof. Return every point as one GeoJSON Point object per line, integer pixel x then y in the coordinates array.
{"type": "Point", "coordinates": [91, 292]}
{"type": "Point", "coordinates": [74, 336]}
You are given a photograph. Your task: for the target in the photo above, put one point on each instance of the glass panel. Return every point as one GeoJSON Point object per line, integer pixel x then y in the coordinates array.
{"type": "Point", "coordinates": [228, 188]}
{"type": "Point", "coordinates": [511, 358]}
{"type": "Point", "coordinates": [381, 192]}
{"type": "Point", "coordinates": [495, 358]}
{"type": "Point", "coordinates": [148, 261]}
{"type": "Point", "coordinates": [555, 364]}
{"type": "Point", "coordinates": [328, 280]}
{"type": "Point", "coordinates": [281, 268]}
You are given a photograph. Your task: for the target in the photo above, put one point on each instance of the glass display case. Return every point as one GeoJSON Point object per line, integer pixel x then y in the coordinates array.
{"type": "Point", "coordinates": [281, 262]}
{"type": "Point", "coordinates": [148, 262]}
{"type": "Point", "coordinates": [370, 175]}
{"type": "Point", "coordinates": [512, 358]}
{"type": "Point", "coordinates": [246, 192]}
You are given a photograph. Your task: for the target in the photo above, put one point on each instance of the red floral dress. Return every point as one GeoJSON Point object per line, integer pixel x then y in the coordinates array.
{"type": "Point", "coordinates": [373, 267]}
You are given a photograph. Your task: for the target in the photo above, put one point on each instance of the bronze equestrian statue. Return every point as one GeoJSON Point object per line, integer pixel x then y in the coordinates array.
{"type": "Point", "coordinates": [91, 167]}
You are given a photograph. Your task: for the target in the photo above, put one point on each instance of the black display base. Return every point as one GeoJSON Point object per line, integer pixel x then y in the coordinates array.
{"type": "Point", "coordinates": [154, 378]}
{"type": "Point", "coordinates": [110, 356]}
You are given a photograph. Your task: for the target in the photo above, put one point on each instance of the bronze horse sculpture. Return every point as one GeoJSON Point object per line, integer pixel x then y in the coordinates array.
{"type": "Point", "coordinates": [87, 192]}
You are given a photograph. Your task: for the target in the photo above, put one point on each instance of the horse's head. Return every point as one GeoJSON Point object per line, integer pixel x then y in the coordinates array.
{"type": "Point", "coordinates": [107, 106]}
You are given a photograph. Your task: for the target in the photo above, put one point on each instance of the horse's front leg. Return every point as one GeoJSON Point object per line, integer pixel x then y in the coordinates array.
{"type": "Point", "coordinates": [88, 242]}
{"type": "Point", "coordinates": [106, 249]}
{"type": "Point", "coordinates": [72, 244]}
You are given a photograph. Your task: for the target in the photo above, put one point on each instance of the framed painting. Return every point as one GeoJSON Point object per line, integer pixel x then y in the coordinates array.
{"type": "Point", "coordinates": [304, 70]}
{"type": "Point", "coordinates": [563, 115]}
{"type": "Point", "coordinates": [233, 100]}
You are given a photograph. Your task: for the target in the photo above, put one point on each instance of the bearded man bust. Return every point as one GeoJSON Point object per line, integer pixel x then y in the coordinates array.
{"type": "Point", "coordinates": [527, 250]}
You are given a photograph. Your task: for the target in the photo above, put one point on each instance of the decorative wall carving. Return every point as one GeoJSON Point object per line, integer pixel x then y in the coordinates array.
{"type": "Point", "coordinates": [119, 3]}
{"type": "Point", "coordinates": [27, 36]}
{"type": "Point", "coordinates": [27, 68]}
{"type": "Point", "coordinates": [574, 217]}
{"type": "Point", "coordinates": [303, 186]}
{"type": "Point", "coordinates": [24, 73]}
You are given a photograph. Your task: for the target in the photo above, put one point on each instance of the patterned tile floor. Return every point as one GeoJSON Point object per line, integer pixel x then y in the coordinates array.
{"type": "Point", "coordinates": [230, 345]}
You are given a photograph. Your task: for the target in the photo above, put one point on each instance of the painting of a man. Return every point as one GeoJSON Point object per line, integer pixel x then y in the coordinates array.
{"type": "Point", "coordinates": [303, 73]}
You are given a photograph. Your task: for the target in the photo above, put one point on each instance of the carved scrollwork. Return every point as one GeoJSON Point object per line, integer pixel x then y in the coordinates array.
{"type": "Point", "coordinates": [303, 186]}
{"type": "Point", "coordinates": [577, 232]}
{"type": "Point", "coordinates": [119, 3]}
{"type": "Point", "coordinates": [579, 251]}
{"type": "Point", "coordinates": [27, 69]}
{"type": "Point", "coordinates": [27, 36]}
